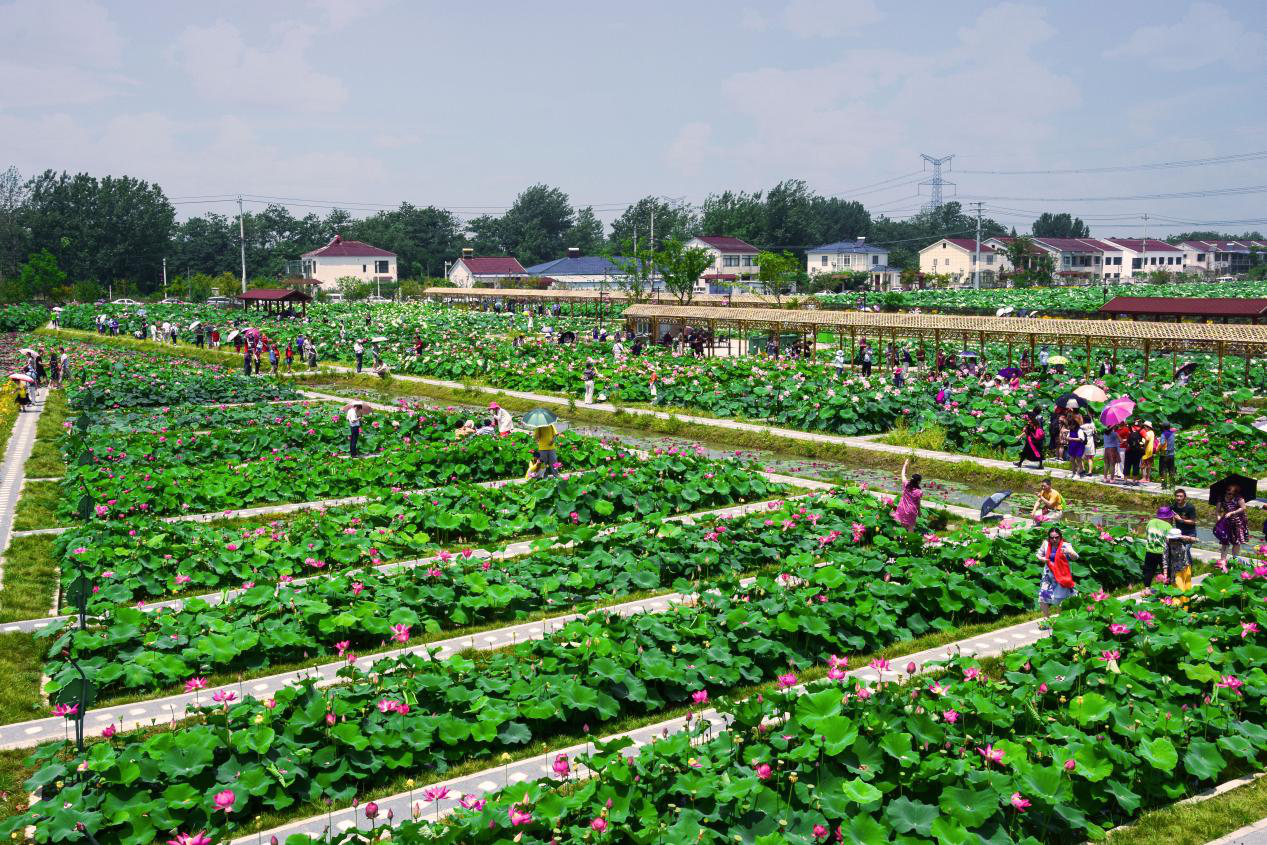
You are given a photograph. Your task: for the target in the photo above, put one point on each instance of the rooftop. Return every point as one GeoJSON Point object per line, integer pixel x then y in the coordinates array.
{"type": "Point", "coordinates": [858, 245]}
{"type": "Point", "coordinates": [339, 248]}
{"type": "Point", "coordinates": [274, 295]}
{"type": "Point", "coordinates": [1186, 306]}
{"type": "Point", "coordinates": [969, 244]}
{"type": "Point", "coordinates": [1137, 245]}
{"type": "Point", "coordinates": [725, 244]}
{"type": "Point", "coordinates": [495, 266]}
{"type": "Point", "coordinates": [583, 265]}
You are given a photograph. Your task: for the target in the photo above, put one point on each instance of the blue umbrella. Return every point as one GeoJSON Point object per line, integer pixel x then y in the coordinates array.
{"type": "Point", "coordinates": [994, 500]}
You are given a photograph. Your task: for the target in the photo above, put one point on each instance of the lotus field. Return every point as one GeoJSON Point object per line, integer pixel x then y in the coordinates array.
{"type": "Point", "coordinates": [767, 587]}
{"type": "Point", "coordinates": [977, 418]}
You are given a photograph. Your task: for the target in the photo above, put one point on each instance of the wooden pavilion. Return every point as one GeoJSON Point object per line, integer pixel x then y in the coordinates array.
{"type": "Point", "coordinates": [851, 327]}
{"type": "Point", "coordinates": [1223, 308]}
{"type": "Point", "coordinates": [588, 297]}
{"type": "Point", "coordinates": [274, 300]}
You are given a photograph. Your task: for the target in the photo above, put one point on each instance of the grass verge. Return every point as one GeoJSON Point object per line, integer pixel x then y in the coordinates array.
{"type": "Point", "coordinates": [30, 578]}
{"type": "Point", "coordinates": [37, 508]}
{"type": "Point", "coordinates": [1198, 822]}
{"type": "Point", "coordinates": [46, 457]}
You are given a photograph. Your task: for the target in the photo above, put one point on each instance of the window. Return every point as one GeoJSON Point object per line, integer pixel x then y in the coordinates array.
{"type": "Point", "coordinates": [730, 260]}
{"type": "Point", "coordinates": [824, 260]}
{"type": "Point", "coordinates": [1136, 263]}
{"type": "Point", "coordinates": [1096, 259]}
{"type": "Point", "coordinates": [1200, 256]}
{"type": "Point", "coordinates": [1066, 259]}
{"type": "Point", "coordinates": [875, 261]}
{"type": "Point", "coordinates": [747, 261]}
{"type": "Point", "coordinates": [381, 267]}
{"type": "Point", "coordinates": [364, 269]}
{"type": "Point", "coordinates": [934, 263]}
{"type": "Point", "coordinates": [989, 258]}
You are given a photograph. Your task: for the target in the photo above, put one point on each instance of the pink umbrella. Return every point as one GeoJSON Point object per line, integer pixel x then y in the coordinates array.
{"type": "Point", "coordinates": [1117, 412]}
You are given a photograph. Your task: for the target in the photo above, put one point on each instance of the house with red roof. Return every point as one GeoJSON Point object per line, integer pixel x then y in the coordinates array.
{"type": "Point", "coordinates": [471, 270]}
{"type": "Point", "coordinates": [734, 260]}
{"type": "Point", "coordinates": [1216, 258]}
{"type": "Point", "coordinates": [957, 258]}
{"type": "Point", "coordinates": [1075, 258]}
{"type": "Point", "coordinates": [341, 259]}
{"type": "Point", "coordinates": [1142, 256]}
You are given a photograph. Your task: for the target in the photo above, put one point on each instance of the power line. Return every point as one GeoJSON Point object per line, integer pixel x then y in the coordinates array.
{"type": "Point", "coordinates": [1127, 168]}
{"type": "Point", "coordinates": [1206, 192]}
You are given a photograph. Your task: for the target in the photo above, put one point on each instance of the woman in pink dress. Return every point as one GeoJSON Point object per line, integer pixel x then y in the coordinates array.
{"type": "Point", "coordinates": [907, 512]}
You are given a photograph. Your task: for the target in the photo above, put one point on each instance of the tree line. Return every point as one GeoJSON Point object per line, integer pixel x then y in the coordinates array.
{"type": "Point", "coordinates": [64, 235]}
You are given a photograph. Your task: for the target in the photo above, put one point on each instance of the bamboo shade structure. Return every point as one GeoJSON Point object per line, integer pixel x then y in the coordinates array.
{"type": "Point", "coordinates": [616, 296]}
{"type": "Point", "coordinates": [1246, 339]}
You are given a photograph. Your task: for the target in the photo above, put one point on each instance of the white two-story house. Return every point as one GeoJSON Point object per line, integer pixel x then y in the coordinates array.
{"type": "Point", "coordinates": [734, 261]}
{"type": "Point", "coordinates": [856, 256]}
{"type": "Point", "coordinates": [342, 259]}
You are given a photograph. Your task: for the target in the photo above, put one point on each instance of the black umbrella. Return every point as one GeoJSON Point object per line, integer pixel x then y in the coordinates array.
{"type": "Point", "coordinates": [1063, 401]}
{"type": "Point", "coordinates": [1187, 368]}
{"type": "Point", "coordinates": [1249, 488]}
{"type": "Point", "coordinates": [995, 499]}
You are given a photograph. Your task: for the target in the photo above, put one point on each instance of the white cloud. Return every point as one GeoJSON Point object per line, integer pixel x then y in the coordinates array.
{"type": "Point", "coordinates": [1206, 35]}
{"type": "Point", "coordinates": [874, 110]}
{"type": "Point", "coordinates": [223, 67]}
{"type": "Point", "coordinates": [58, 53]}
{"type": "Point", "coordinates": [753, 21]}
{"type": "Point", "coordinates": [828, 18]}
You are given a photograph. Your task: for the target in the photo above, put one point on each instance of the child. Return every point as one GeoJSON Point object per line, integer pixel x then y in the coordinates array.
{"type": "Point", "coordinates": [1177, 559]}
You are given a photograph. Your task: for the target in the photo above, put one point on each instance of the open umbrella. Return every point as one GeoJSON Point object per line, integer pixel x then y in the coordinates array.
{"type": "Point", "coordinates": [1010, 372]}
{"type": "Point", "coordinates": [379, 339]}
{"type": "Point", "coordinates": [1249, 487]}
{"type": "Point", "coordinates": [349, 406]}
{"type": "Point", "coordinates": [1091, 393]}
{"type": "Point", "coordinates": [968, 353]}
{"type": "Point", "coordinates": [232, 336]}
{"type": "Point", "coordinates": [252, 333]}
{"type": "Point", "coordinates": [993, 501]}
{"type": "Point", "coordinates": [538, 417]}
{"type": "Point", "coordinates": [1071, 400]}
{"type": "Point", "coordinates": [28, 351]}
{"type": "Point", "coordinates": [57, 308]}
{"type": "Point", "coordinates": [22, 377]}
{"type": "Point", "coordinates": [1004, 311]}
{"type": "Point", "coordinates": [1057, 360]}
{"type": "Point", "coordinates": [1260, 423]}
{"type": "Point", "coordinates": [194, 325]}
{"type": "Point", "coordinates": [1117, 412]}
{"type": "Point", "coordinates": [1187, 369]}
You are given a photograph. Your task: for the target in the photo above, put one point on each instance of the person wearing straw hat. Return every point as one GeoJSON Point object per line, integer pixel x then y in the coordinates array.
{"type": "Point", "coordinates": [1177, 559]}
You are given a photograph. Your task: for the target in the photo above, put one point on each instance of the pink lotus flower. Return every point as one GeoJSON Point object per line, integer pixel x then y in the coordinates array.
{"type": "Point", "coordinates": [66, 710]}
{"type": "Point", "coordinates": [195, 684]}
{"type": "Point", "coordinates": [992, 754]}
{"type": "Point", "coordinates": [836, 673]}
{"type": "Point", "coordinates": [342, 646]}
{"type": "Point", "coordinates": [224, 800]}
{"type": "Point", "coordinates": [470, 802]}
{"type": "Point", "coordinates": [1020, 802]}
{"type": "Point", "coordinates": [951, 716]}
{"type": "Point", "coordinates": [763, 771]}
{"type": "Point", "coordinates": [357, 586]}
{"type": "Point", "coordinates": [821, 832]}
{"type": "Point", "coordinates": [400, 633]}
{"type": "Point", "coordinates": [1231, 682]}
{"type": "Point", "coordinates": [1248, 628]}
{"type": "Point", "coordinates": [561, 766]}
{"type": "Point", "coordinates": [518, 816]}
{"type": "Point", "coordinates": [699, 696]}
{"type": "Point", "coordinates": [599, 825]}
{"type": "Point", "coordinates": [1106, 656]}
{"type": "Point", "coordinates": [1070, 765]}
{"type": "Point", "coordinates": [199, 838]}
{"type": "Point", "coordinates": [788, 680]}
{"type": "Point", "coordinates": [1118, 628]}
{"type": "Point", "coordinates": [109, 731]}
{"type": "Point", "coordinates": [224, 696]}
{"type": "Point", "coordinates": [971, 673]}
{"type": "Point", "coordinates": [371, 810]}
{"type": "Point", "coordinates": [438, 793]}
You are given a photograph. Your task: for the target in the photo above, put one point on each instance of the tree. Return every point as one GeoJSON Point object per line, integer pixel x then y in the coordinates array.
{"type": "Point", "coordinates": [908, 237]}
{"type": "Point", "coordinates": [535, 227]}
{"type": "Point", "coordinates": [13, 234]}
{"type": "Point", "coordinates": [676, 221]}
{"type": "Point", "coordinates": [790, 221]}
{"type": "Point", "coordinates": [1019, 253]}
{"type": "Point", "coordinates": [778, 272]}
{"type": "Point", "coordinates": [37, 278]}
{"type": "Point", "coordinates": [586, 233]}
{"type": "Point", "coordinates": [1062, 225]}
{"type": "Point", "coordinates": [680, 267]}
{"type": "Point", "coordinates": [735, 214]}
{"type": "Point", "coordinates": [635, 266]}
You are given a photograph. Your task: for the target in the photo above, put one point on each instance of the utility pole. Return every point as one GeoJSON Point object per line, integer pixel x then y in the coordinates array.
{"type": "Point", "coordinates": [242, 240]}
{"type": "Point", "coordinates": [164, 278]}
{"type": "Point", "coordinates": [976, 258]}
{"type": "Point", "coordinates": [1143, 256]}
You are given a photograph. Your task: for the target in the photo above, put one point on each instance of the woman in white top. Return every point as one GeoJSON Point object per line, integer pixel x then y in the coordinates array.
{"type": "Point", "coordinates": [355, 412]}
{"type": "Point", "coordinates": [1088, 454]}
{"type": "Point", "coordinates": [501, 418]}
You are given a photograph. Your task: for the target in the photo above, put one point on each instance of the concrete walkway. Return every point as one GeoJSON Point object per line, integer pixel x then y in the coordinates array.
{"type": "Point", "coordinates": [13, 470]}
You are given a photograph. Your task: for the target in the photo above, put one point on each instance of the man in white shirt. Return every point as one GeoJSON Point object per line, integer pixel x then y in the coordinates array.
{"type": "Point", "coordinates": [358, 349]}
{"type": "Point", "coordinates": [354, 414]}
{"type": "Point", "coordinates": [501, 418]}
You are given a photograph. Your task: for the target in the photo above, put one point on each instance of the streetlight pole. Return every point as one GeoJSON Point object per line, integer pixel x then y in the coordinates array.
{"type": "Point", "coordinates": [242, 240]}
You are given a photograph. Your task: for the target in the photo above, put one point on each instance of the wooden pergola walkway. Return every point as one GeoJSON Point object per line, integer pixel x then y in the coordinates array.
{"type": "Point", "coordinates": [1244, 340]}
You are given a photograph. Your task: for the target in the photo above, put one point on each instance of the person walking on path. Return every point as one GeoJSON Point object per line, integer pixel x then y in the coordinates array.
{"type": "Point", "coordinates": [1155, 532]}
{"type": "Point", "coordinates": [1112, 454]}
{"type": "Point", "coordinates": [358, 349]}
{"type": "Point", "coordinates": [544, 436]}
{"type": "Point", "coordinates": [1049, 505]}
{"type": "Point", "coordinates": [1133, 440]}
{"type": "Point", "coordinates": [312, 355]}
{"type": "Point", "coordinates": [588, 378]}
{"type": "Point", "coordinates": [1057, 582]}
{"type": "Point", "coordinates": [246, 361]}
{"type": "Point", "coordinates": [255, 357]}
{"type": "Point", "coordinates": [1166, 454]}
{"type": "Point", "coordinates": [501, 418]}
{"type": "Point", "coordinates": [1088, 453]}
{"type": "Point", "coordinates": [1185, 512]}
{"type": "Point", "coordinates": [290, 357]}
{"type": "Point", "coordinates": [1149, 439]}
{"type": "Point", "coordinates": [838, 361]}
{"type": "Point", "coordinates": [1232, 527]}
{"type": "Point", "coordinates": [907, 512]}
{"type": "Point", "coordinates": [1076, 445]}
{"type": "Point", "coordinates": [63, 361]}
{"type": "Point", "coordinates": [272, 357]}
{"type": "Point", "coordinates": [355, 411]}
{"type": "Point", "coordinates": [866, 362]}
{"type": "Point", "coordinates": [1031, 443]}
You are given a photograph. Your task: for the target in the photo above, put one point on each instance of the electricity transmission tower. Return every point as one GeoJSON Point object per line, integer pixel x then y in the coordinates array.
{"type": "Point", "coordinates": [936, 183]}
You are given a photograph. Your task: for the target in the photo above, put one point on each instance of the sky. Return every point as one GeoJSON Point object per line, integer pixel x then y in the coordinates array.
{"type": "Point", "coordinates": [367, 103]}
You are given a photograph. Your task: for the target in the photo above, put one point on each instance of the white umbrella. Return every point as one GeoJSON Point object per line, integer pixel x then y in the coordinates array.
{"type": "Point", "coordinates": [379, 339]}
{"type": "Point", "coordinates": [28, 351]}
{"type": "Point", "coordinates": [1004, 311]}
{"type": "Point", "coordinates": [194, 325]}
{"type": "Point", "coordinates": [57, 308]}
{"type": "Point", "coordinates": [232, 336]}
{"type": "Point", "coordinates": [22, 377]}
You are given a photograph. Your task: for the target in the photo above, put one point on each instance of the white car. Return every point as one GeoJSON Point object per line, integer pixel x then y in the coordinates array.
{"type": "Point", "coordinates": [219, 300]}
{"type": "Point", "coordinates": [125, 302]}
{"type": "Point", "coordinates": [377, 299]}
{"type": "Point", "coordinates": [171, 300]}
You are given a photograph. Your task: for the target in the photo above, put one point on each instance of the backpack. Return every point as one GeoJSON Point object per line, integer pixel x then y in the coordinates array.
{"type": "Point", "coordinates": [1135, 440]}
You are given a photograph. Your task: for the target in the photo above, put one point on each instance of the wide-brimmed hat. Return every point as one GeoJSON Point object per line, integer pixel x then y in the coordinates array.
{"type": "Point", "coordinates": [493, 406]}
{"type": "Point", "coordinates": [1174, 534]}
{"type": "Point", "coordinates": [1164, 512]}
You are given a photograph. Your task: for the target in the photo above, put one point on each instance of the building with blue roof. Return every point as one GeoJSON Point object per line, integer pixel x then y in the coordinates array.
{"type": "Point", "coordinates": [856, 256]}
{"type": "Point", "coordinates": [580, 272]}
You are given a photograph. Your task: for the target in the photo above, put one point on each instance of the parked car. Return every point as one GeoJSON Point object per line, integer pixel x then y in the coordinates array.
{"type": "Point", "coordinates": [376, 299]}
{"type": "Point", "coordinates": [171, 300]}
{"type": "Point", "coordinates": [125, 302]}
{"type": "Point", "coordinates": [220, 302]}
